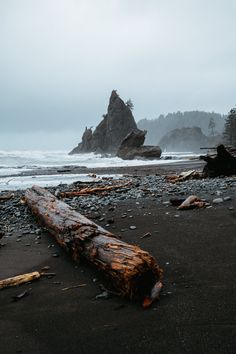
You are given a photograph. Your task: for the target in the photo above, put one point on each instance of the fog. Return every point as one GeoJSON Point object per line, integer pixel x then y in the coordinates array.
{"type": "Point", "coordinates": [60, 60]}
{"type": "Point", "coordinates": [40, 140]}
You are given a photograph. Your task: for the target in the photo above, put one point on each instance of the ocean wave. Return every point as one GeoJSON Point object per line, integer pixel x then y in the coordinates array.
{"type": "Point", "coordinates": [36, 158]}
{"type": "Point", "coordinates": [24, 182]}
{"type": "Point", "coordinates": [14, 162]}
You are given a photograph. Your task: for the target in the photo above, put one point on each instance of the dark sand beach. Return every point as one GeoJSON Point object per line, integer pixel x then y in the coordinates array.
{"type": "Point", "coordinates": [195, 248]}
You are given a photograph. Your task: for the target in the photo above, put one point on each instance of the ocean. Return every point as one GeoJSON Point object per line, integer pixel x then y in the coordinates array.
{"type": "Point", "coordinates": [13, 163]}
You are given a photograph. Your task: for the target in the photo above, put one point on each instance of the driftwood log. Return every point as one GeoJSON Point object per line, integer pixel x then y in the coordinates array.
{"type": "Point", "coordinates": [134, 272]}
{"type": "Point", "coordinates": [224, 164]}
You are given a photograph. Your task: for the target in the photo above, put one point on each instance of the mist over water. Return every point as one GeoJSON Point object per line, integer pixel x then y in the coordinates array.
{"type": "Point", "coordinates": [40, 140]}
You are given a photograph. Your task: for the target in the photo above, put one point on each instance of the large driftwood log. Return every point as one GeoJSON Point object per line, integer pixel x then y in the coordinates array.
{"type": "Point", "coordinates": [224, 164]}
{"type": "Point", "coordinates": [133, 272]}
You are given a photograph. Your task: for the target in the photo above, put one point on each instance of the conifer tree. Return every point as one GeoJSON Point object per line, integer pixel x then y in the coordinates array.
{"type": "Point", "coordinates": [130, 104]}
{"type": "Point", "coordinates": [230, 128]}
{"type": "Point", "coordinates": [211, 126]}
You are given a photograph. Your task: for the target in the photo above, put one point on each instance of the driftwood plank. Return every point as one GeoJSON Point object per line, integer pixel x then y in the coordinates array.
{"type": "Point", "coordinates": [134, 272]}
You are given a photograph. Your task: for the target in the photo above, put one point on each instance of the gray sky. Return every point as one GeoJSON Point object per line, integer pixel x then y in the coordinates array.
{"type": "Point", "coordinates": [60, 59]}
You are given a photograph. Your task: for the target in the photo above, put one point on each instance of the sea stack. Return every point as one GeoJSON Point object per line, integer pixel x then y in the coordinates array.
{"type": "Point", "coordinates": [110, 132]}
{"type": "Point", "coordinates": [117, 134]}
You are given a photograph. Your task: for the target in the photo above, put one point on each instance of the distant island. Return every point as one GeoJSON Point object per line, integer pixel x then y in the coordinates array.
{"type": "Point", "coordinates": [186, 131]}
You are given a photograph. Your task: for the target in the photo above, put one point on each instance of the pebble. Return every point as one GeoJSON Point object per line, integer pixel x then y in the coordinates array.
{"type": "Point", "coordinates": [15, 216]}
{"type": "Point", "coordinates": [227, 198]}
{"type": "Point", "coordinates": [133, 227]}
{"type": "Point", "coordinates": [217, 200]}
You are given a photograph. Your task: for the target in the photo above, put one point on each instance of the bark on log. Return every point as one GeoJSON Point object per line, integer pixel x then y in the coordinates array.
{"type": "Point", "coordinates": [133, 272]}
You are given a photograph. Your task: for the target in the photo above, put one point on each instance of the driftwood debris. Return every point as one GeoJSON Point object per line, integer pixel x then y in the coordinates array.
{"type": "Point", "coordinates": [19, 279]}
{"type": "Point", "coordinates": [23, 278]}
{"type": "Point", "coordinates": [191, 174]}
{"type": "Point", "coordinates": [88, 190]}
{"type": "Point", "coordinates": [6, 196]}
{"type": "Point", "coordinates": [134, 272]}
{"type": "Point", "coordinates": [192, 202]}
{"type": "Point", "coordinates": [224, 164]}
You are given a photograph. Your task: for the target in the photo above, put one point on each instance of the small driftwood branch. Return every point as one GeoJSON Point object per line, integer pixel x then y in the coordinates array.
{"type": "Point", "coordinates": [6, 196]}
{"type": "Point", "coordinates": [133, 272]}
{"type": "Point", "coordinates": [192, 202]}
{"type": "Point", "coordinates": [19, 279]}
{"type": "Point", "coordinates": [192, 174]}
{"type": "Point", "coordinates": [88, 190]}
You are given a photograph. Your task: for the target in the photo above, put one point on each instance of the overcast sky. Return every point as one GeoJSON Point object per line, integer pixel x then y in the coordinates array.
{"type": "Point", "coordinates": [60, 59]}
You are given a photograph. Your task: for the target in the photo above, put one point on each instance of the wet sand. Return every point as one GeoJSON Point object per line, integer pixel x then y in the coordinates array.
{"type": "Point", "coordinates": [196, 312]}
{"type": "Point", "coordinates": [142, 170]}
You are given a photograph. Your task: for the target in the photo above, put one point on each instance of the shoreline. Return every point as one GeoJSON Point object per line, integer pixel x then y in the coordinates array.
{"type": "Point", "coordinates": [149, 168]}
{"type": "Point", "coordinates": [54, 176]}
{"type": "Point", "coordinates": [195, 248]}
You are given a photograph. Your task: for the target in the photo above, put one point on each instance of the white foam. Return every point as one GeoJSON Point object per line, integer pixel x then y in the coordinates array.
{"type": "Point", "coordinates": [24, 182]}
{"type": "Point", "coordinates": [14, 162]}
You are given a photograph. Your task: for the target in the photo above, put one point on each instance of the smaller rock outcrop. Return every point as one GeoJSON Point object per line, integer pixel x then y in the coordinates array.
{"type": "Point", "coordinates": [86, 143]}
{"type": "Point", "coordinates": [132, 147]}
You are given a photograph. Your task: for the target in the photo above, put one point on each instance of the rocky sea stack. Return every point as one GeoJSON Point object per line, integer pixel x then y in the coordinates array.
{"type": "Point", "coordinates": [110, 132]}
{"type": "Point", "coordinates": [117, 134]}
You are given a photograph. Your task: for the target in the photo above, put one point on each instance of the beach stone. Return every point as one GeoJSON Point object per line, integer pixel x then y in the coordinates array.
{"type": "Point", "coordinates": [217, 200]}
{"type": "Point", "coordinates": [227, 198]}
{"type": "Point", "coordinates": [133, 227]}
